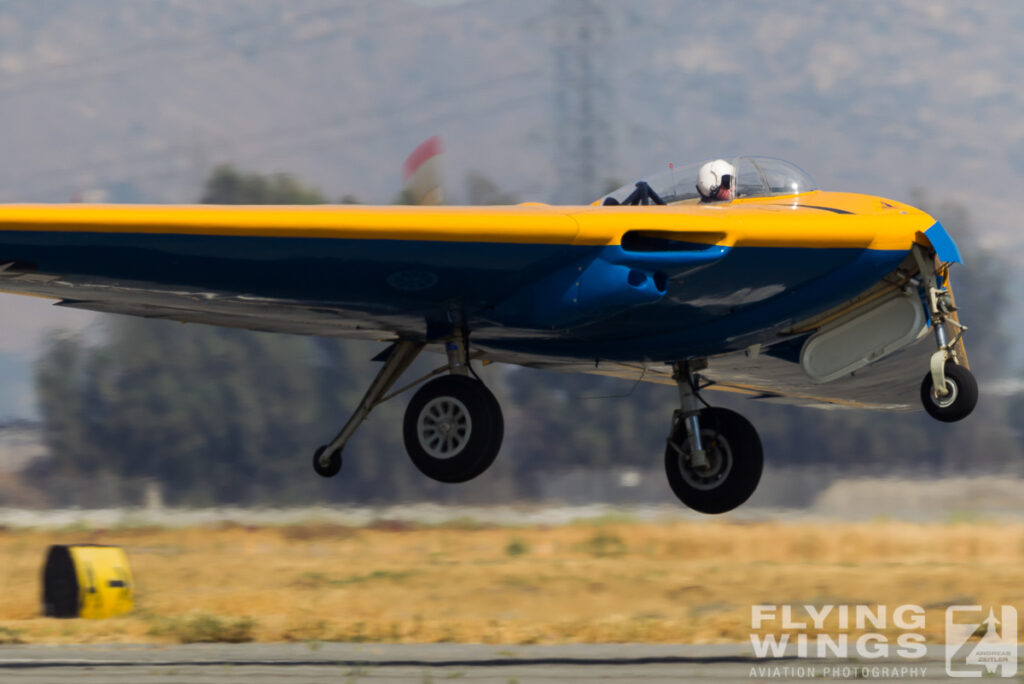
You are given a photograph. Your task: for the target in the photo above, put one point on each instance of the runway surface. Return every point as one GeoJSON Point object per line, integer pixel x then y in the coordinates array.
{"type": "Point", "coordinates": [436, 662]}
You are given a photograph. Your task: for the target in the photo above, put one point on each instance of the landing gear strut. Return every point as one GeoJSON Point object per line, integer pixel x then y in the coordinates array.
{"type": "Point", "coordinates": [327, 459]}
{"type": "Point", "coordinates": [453, 427]}
{"type": "Point", "coordinates": [713, 458]}
{"type": "Point", "coordinates": [949, 392]}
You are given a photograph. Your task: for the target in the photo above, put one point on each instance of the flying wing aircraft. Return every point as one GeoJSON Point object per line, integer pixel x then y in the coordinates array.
{"type": "Point", "coordinates": [768, 287]}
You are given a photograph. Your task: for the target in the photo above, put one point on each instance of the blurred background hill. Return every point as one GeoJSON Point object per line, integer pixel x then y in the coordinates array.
{"type": "Point", "coordinates": [536, 100]}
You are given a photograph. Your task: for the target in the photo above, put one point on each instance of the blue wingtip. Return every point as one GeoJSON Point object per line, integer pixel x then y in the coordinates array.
{"type": "Point", "coordinates": [944, 245]}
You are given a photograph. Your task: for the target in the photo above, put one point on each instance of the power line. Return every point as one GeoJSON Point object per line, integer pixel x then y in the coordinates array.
{"type": "Point", "coordinates": [150, 47]}
{"type": "Point", "coordinates": [507, 104]}
{"type": "Point", "coordinates": [271, 135]}
{"type": "Point", "coordinates": [296, 137]}
{"type": "Point", "coordinates": [94, 68]}
{"type": "Point", "coordinates": [264, 141]}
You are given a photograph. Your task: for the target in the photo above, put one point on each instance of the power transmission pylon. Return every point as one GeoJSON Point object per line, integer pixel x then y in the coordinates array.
{"type": "Point", "coordinates": [584, 99]}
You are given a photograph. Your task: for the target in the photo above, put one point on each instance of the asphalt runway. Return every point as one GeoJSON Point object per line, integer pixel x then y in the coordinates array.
{"type": "Point", "coordinates": [438, 662]}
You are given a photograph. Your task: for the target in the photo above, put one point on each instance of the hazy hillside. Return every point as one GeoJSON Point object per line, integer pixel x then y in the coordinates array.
{"type": "Point", "coordinates": [142, 98]}
{"type": "Point", "coordinates": [133, 101]}
{"type": "Point", "coordinates": [141, 101]}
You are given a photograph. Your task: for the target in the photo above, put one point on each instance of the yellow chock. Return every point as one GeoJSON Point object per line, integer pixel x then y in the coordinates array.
{"type": "Point", "coordinates": [87, 581]}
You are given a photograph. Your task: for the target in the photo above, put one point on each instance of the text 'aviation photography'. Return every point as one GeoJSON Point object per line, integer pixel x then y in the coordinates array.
{"type": "Point", "coordinates": [515, 341]}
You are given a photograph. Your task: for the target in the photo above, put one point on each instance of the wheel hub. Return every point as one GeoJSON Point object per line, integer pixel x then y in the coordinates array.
{"type": "Point", "coordinates": [719, 462]}
{"type": "Point", "coordinates": [952, 391]}
{"type": "Point", "coordinates": [444, 427]}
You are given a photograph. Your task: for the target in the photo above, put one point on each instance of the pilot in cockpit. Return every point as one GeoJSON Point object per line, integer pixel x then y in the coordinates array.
{"type": "Point", "coordinates": [715, 181]}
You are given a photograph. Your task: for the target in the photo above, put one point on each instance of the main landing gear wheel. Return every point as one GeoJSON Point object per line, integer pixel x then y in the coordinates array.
{"type": "Point", "coordinates": [453, 428]}
{"type": "Point", "coordinates": [331, 465]}
{"type": "Point", "coordinates": [960, 399]}
{"type": "Point", "coordinates": [734, 462]}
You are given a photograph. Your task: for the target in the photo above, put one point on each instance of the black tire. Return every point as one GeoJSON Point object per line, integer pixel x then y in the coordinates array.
{"type": "Point", "coordinates": [735, 462]}
{"type": "Point", "coordinates": [333, 466]}
{"type": "Point", "coordinates": [962, 400]}
{"type": "Point", "coordinates": [475, 442]}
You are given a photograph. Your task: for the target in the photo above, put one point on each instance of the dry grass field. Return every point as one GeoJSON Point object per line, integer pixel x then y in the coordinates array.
{"type": "Point", "coordinates": [603, 581]}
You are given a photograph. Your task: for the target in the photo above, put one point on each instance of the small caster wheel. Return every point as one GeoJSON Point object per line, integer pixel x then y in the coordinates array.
{"type": "Point", "coordinates": [961, 397]}
{"type": "Point", "coordinates": [333, 465]}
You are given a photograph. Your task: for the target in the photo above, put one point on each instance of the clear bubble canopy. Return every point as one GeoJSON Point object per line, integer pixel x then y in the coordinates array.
{"type": "Point", "coordinates": [755, 177]}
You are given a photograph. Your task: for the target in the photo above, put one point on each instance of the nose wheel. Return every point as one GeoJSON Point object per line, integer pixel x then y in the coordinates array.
{"type": "Point", "coordinates": [958, 400]}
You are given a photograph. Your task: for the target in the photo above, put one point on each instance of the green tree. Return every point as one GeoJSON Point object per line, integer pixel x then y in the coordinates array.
{"type": "Point", "coordinates": [222, 415]}
{"type": "Point", "coordinates": [981, 286]}
{"type": "Point", "coordinates": [481, 190]}
{"type": "Point", "coordinates": [567, 429]}
{"type": "Point", "coordinates": [883, 443]}
{"type": "Point", "coordinates": [213, 414]}
{"type": "Point", "coordinates": [228, 185]}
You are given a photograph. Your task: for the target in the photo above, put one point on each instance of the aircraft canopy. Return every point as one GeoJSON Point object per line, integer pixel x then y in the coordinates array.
{"type": "Point", "coordinates": [755, 177]}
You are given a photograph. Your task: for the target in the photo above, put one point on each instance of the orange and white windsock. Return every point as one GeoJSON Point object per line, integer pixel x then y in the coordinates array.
{"type": "Point", "coordinates": [422, 173]}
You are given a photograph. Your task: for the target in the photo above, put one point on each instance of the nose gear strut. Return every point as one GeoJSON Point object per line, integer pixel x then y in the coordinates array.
{"type": "Point", "coordinates": [949, 392]}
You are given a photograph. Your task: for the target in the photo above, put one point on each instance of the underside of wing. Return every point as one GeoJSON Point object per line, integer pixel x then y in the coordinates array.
{"type": "Point", "coordinates": [261, 317]}
{"type": "Point", "coordinates": [892, 384]}
{"type": "Point", "coordinates": [249, 313]}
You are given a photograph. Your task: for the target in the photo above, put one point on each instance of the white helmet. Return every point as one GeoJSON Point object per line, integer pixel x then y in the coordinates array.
{"type": "Point", "coordinates": [713, 176]}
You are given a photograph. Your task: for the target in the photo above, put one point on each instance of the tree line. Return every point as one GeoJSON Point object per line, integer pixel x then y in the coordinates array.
{"type": "Point", "coordinates": [218, 415]}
